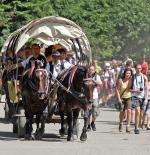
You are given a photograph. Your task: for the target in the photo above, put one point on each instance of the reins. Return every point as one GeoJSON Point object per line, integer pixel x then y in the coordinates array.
{"type": "Point", "coordinates": [70, 82]}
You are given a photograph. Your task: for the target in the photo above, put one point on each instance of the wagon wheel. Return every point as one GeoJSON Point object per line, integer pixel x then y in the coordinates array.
{"type": "Point", "coordinates": [21, 123]}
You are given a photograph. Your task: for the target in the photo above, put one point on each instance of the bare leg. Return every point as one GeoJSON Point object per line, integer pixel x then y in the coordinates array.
{"type": "Point", "coordinates": [132, 115]}
{"type": "Point", "coordinates": [121, 116]}
{"type": "Point", "coordinates": [128, 116]}
{"type": "Point", "coordinates": [148, 122]}
{"type": "Point", "coordinates": [141, 117]}
{"type": "Point", "coordinates": [137, 118]}
{"type": "Point", "coordinates": [128, 120]}
{"type": "Point", "coordinates": [143, 120]}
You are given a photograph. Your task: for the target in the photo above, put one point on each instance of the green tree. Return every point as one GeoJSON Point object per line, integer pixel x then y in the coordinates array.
{"type": "Point", "coordinates": [16, 13]}
{"type": "Point", "coordinates": [114, 27]}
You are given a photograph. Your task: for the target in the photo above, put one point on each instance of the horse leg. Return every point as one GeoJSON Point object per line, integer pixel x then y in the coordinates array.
{"type": "Point", "coordinates": [37, 121]}
{"type": "Point", "coordinates": [37, 135]}
{"type": "Point", "coordinates": [29, 129]}
{"type": "Point", "coordinates": [89, 117]}
{"type": "Point", "coordinates": [83, 136]}
{"type": "Point", "coordinates": [62, 130]}
{"type": "Point", "coordinates": [75, 118]}
{"type": "Point", "coordinates": [39, 131]}
{"type": "Point", "coordinates": [43, 121]}
{"type": "Point", "coordinates": [70, 126]}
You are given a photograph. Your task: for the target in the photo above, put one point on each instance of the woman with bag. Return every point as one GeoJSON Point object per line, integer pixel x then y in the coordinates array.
{"type": "Point", "coordinates": [124, 98]}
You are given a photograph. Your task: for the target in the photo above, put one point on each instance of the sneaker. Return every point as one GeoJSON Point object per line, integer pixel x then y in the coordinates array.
{"type": "Point", "coordinates": [136, 131]}
{"type": "Point", "coordinates": [93, 126]}
{"type": "Point", "coordinates": [120, 127]}
{"type": "Point", "coordinates": [89, 128]}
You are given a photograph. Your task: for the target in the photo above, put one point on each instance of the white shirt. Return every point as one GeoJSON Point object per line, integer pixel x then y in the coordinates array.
{"type": "Point", "coordinates": [66, 64]}
{"type": "Point", "coordinates": [148, 91]}
{"type": "Point", "coordinates": [56, 69]}
{"type": "Point", "coordinates": [48, 67]}
{"type": "Point", "coordinates": [97, 79]}
{"type": "Point", "coordinates": [139, 82]}
{"type": "Point", "coordinates": [26, 61]}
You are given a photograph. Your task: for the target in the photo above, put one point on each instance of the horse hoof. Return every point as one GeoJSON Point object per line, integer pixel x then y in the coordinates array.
{"type": "Point", "coordinates": [38, 137]}
{"type": "Point", "coordinates": [62, 132]}
{"type": "Point", "coordinates": [83, 136]}
{"type": "Point", "coordinates": [38, 134]}
{"type": "Point", "coordinates": [70, 138]}
{"type": "Point", "coordinates": [29, 137]}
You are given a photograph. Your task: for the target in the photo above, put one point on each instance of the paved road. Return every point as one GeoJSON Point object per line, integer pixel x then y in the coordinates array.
{"type": "Point", "coordinates": [105, 141]}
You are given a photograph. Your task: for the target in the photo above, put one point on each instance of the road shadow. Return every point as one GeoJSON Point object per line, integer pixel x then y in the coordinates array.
{"type": "Point", "coordinates": [7, 136]}
{"type": "Point", "coordinates": [109, 109]}
{"type": "Point", "coordinates": [50, 137]}
{"type": "Point", "coordinates": [4, 121]}
{"type": "Point", "coordinates": [108, 122]}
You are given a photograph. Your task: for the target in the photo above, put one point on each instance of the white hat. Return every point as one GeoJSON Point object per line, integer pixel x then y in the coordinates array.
{"type": "Point", "coordinates": [107, 64]}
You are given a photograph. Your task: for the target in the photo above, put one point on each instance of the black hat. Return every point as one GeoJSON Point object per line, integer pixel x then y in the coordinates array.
{"type": "Point", "coordinates": [55, 54]}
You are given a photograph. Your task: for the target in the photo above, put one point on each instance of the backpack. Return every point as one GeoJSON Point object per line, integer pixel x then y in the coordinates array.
{"type": "Point", "coordinates": [121, 72]}
{"type": "Point", "coordinates": [134, 78]}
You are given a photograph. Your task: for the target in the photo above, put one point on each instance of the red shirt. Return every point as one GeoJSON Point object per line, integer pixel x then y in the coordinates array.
{"type": "Point", "coordinates": [144, 67]}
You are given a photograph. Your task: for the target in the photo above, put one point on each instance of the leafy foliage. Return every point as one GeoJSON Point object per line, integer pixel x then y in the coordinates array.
{"type": "Point", "coordinates": [114, 27]}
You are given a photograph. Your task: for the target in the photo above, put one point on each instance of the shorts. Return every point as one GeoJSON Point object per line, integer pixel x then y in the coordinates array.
{"type": "Point", "coordinates": [137, 102]}
{"type": "Point", "coordinates": [126, 104]}
{"type": "Point", "coordinates": [95, 102]}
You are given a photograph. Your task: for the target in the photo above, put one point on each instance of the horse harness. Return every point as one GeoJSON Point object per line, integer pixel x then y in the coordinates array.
{"type": "Point", "coordinates": [72, 71]}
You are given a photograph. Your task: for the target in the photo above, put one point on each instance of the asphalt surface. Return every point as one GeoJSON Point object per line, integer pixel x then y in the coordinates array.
{"type": "Point", "coordinates": [105, 140]}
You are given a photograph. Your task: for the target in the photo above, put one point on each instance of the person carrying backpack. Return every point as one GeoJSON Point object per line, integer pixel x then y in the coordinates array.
{"type": "Point", "coordinates": [138, 87]}
{"type": "Point", "coordinates": [94, 111]}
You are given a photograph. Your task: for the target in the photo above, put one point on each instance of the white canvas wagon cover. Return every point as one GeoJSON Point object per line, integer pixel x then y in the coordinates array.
{"type": "Point", "coordinates": [50, 31]}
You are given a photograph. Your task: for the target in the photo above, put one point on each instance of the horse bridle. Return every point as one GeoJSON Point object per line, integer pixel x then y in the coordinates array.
{"type": "Point", "coordinates": [32, 85]}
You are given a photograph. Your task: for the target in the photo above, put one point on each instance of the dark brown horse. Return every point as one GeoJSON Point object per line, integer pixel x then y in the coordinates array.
{"type": "Point", "coordinates": [78, 96]}
{"type": "Point", "coordinates": [35, 97]}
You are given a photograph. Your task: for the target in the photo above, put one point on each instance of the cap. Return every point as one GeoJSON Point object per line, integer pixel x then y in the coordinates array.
{"type": "Point", "coordinates": [107, 64]}
{"type": "Point", "coordinates": [55, 54]}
